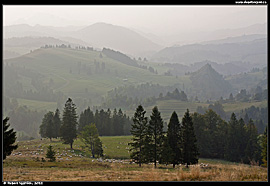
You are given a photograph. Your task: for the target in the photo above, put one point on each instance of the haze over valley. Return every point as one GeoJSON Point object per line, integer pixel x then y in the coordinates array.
{"type": "Point", "coordinates": [110, 60]}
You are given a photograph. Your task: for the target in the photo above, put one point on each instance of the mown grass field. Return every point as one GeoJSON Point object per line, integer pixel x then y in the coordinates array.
{"type": "Point", "coordinates": [77, 165]}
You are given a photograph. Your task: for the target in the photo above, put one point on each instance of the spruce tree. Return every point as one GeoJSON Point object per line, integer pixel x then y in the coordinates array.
{"type": "Point", "coordinates": [46, 127]}
{"type": "Point", "coordinates": [86, 117]}
{"type": "Point", "coordinates": [50, 154]}
{"type": "Point", "coordinates": [174, 139]}
{"type": "Point", "coordinates": [201, 133]}
{"type": "Point", "coordinates": [252, 151]}
{"type": "Point", "coordinates": [9, 139]}
{"type": "Point", "coordinates": [56, 123]}
{"type": "Point", "coordinates": [167, 154]}
{"type": "Point", "coordinates": [232, 147]}
{"type": "Point", "coordinates": [155, 132]}
{"type": "Point", "coordinates": [49, 131]}
{"type": "Point", "coordinates": [188, 141]}
{"type": "Point", "coordinates": [264, 148]}
{"type": "Point", "coordinates": [241, 139]}
{"type": "Point", "coordinates": [139, 132]}
{"type": "Point", "coordinates": [69, 123]}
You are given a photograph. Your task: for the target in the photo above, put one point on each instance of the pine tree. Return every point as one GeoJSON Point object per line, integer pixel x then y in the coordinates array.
{"type": "Point", "coordinates": [69, 123]}
{"type": "Point", "coordinates": [115, 121]}
{"type": "Point", "coordinates": [211, 120]}
{"type": "Point", "coordinates": [155, 132]}
{"type": "Point", "coordinates": [252, 151]}
{"type": "Point", "coordinates": [264, 148]}
{"type": "Point", "coordinates": [49, 125]}
{"type": "Point", "coordinates": [89, 136]}
{"type": "Point", "coordinates": [201, 133]}
{"type": "Point", "coordinates": [50, 154]}
{"type": "Point", "coordinates": [241, 138]}
{"type": "Point", "coordinates": [139, 131]}
{"type": "Point", "coordinates": [232, 147]}
{"type": "Point", "coordinates": [9, 139]}
{"type": "Point", "coordinates": [167, 154]}
{"type": "Point", "coordinates": [56, 123]}
{"type": "Point", "coordinates": [121, 122]}
{"type": "Point", "coordinates": [188, 141]}
{"type": "Point", "coordinates": [46, 127]}
{"type": "Point", "coordinates": [174, 139]}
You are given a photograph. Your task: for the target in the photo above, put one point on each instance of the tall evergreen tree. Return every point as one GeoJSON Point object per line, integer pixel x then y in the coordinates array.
{"type": "Point", "coordinates": [241, 139]}
{"type": "Point", "coordinates": [139, 132]}
{"type": "Point", "coordinates": [217, 133]}
{"type": "Point", "coordinates": [86, 117]}
{"type": "Point", "coordinates": [50, 126]}
{"type": "Point", "coordinates": [167, 154]}
{"type": "Point", "coordinates": [201, 133]}
{"type": "Point", "coordinates": [155, 132]}
{"type": "Point", "coordinates": [115, 121]}
{"type": "Point", "coordinates": [252, 151]}
{"type": "Point", "coordinates": [121, 122]}
{"type": "Point", "coordinates": [188, 141]}
{"type": "Point", "coordinates": [174, 139]}
{"type": "Point", "coordinates": [264, 148]}
{"type": "Point", "coordinates": [57, 123]}
{"type": "Point", "coordinates": [69, 123]}
{"type": "Point", "coordinates": [232, 146]}
{"type": "Point", "coordinates": [9, 139]}
{"type": "Point", "coordinates": [47, 126]}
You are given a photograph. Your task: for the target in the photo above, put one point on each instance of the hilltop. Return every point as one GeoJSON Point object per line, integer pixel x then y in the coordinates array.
{"type": "Point", "coordinates": [98, 35]}
{"type": "Point", "coordinates": [209, 84]}
{"type": "Point", "coordinates": [79, 73]}
{"type": "Point", "coordinates": [117, 37]}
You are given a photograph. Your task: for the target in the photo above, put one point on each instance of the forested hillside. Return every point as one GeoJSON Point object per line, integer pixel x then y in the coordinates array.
{"type": "Point", "coordinates": [43, 79]}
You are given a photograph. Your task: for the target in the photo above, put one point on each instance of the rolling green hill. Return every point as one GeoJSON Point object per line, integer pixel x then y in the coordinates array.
{"type": "Point", "coordinates": [83, 73]}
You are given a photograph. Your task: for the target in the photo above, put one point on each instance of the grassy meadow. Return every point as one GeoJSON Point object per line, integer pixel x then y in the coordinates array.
{"type": "Point", "coordinates": [25, 164]}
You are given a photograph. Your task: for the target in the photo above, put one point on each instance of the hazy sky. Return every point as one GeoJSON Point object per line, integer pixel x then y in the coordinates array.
{"type": "Point", "coordinates": [155, 19]}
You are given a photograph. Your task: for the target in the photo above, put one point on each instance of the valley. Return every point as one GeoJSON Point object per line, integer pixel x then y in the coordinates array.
{"type": "Point", "coordinates": [135, 93]}
{"type": "Point", "coordinates": [50, 75]}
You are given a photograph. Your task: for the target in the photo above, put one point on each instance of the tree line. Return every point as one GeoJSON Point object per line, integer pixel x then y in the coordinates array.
{"type": "Point", "coordinates": [234, 140]}
{"type": "Point", "coordinates": [258, 115]}
{"type": "Point", "coordinates": [198, 135]}
{"type": "Point", "coordinates": [151, 144]}
{"type": "Point", "coordinates": [68, 130]}
{"type": "Point", "coordinates": [107, 123]}
{"type": "Point", "coordinates": [145, 94]}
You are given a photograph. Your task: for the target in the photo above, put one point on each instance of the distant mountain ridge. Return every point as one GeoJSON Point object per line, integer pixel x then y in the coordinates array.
{"type": "Point", "coordinates": [237, 39]}
{"type": "Point", "coordinates": [97, 35]}
{"type": "Point", "coordinates": [118, 38]}
{"type": "Point", "coordinates": [254, 51]}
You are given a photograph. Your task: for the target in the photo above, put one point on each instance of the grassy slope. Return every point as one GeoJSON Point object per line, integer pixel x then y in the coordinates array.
{"type": "Point", "coordinates": [27, 168]}
{"type": "Point", "coordinates": [166, 107]}
{"type": "Point", "coordinates": [56, 64]}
